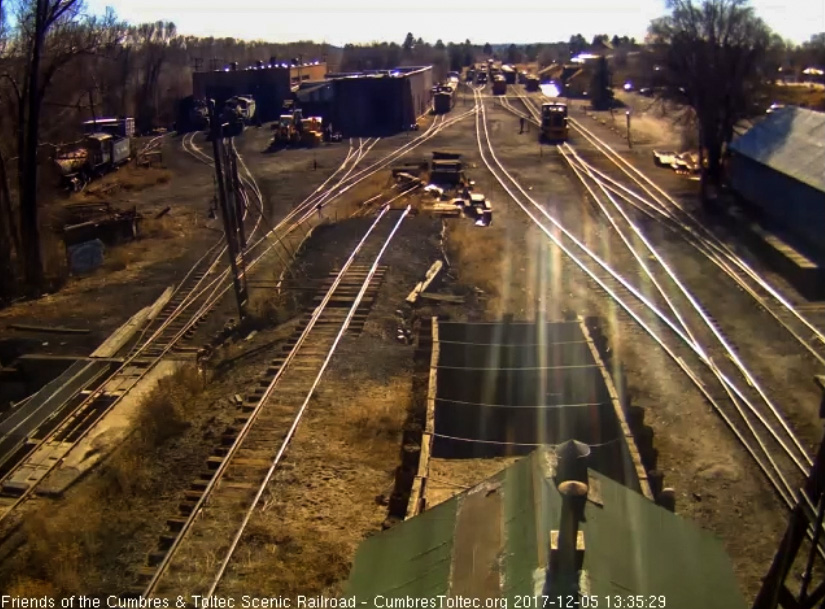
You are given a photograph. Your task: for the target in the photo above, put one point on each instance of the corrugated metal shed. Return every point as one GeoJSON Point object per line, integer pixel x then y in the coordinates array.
{"type": "Point", "coordinates": [379, 102]}
{"type": "Point", "coordinates": [492, 541]}
{"type": "Point", "coordinates": [791, 141]}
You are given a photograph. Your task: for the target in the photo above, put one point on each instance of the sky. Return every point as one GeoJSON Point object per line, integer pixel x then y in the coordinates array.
{"type": "Point", "coordinates": [359, 21]}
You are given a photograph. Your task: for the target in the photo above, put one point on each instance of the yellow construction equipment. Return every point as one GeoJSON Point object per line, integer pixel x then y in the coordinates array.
{"type": "Point", "coordinates": [312, 131]}
{"type": "Point", "coordinates": [294, 130]}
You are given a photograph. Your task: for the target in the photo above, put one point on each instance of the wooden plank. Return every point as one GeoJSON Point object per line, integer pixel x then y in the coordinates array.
{"type": "Point", "coordinates": [444, 298]}
{"type": "Point", "coordinates": [420, 482]}
{"type": "Point", "coordinates": [124, 333]}
{"type": "Point", "coordinates": [49, 329]}
{"type": "Point", "coordinates": [641, 473]}
{"type": "Point", "coordinates": [431, 274]}
{"type": "Point", "coordinates": [433, 384]}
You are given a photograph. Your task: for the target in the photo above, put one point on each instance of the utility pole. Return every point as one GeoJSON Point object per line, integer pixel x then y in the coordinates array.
{"type": "Point", "coordinates": [629, 144]}
{"type": "Point", "coordinates": [238, 206]}
{"type": "Point", "coordinates": [781, 587]}
{"type": "Point", "coordinates": [230, 218]}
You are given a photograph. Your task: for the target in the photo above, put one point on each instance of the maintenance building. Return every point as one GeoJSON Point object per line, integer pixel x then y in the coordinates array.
{"type": "Point", "coordinates": [268, 83]}
{"type": "Point", "coordinates": [380, 102]}
{"type": "Point", "coordinates": [777, 167]}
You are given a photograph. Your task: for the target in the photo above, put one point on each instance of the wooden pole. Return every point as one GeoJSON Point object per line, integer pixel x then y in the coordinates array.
{"type": "Point", "coordinates": [629, 143]}
{"type": "Point", "coordinates": [226, 212]}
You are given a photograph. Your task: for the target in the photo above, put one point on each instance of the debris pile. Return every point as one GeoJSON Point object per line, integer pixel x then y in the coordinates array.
{"type": "Point", "coordinates": [454, 192]}
{"type": "Point", "coordinates": [88, 221]}
{"type": "Point", "coordinates": [89, 227]}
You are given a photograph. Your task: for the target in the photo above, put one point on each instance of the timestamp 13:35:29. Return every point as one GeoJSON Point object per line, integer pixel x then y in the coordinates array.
{"type": "Point", "coordinates": [612, 601]}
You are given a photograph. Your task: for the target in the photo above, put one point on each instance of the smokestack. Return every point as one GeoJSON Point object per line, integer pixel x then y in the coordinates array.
{"type": "Point", "coordinates": [567, 544]}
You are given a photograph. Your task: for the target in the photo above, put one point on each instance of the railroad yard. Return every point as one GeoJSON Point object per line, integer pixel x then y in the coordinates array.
{"type": "Point", "coordinates": [207, 454]}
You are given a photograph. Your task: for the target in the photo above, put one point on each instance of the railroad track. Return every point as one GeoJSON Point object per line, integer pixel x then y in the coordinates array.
{"type": "Point", "coordinates": [803, 321]}
{"type": "Point", "coordinates": [690, 333]}
{"type": "Point", "coordinates": [194, 554]}
{"type": "Point", "coordinates": [204, 289]}
{"type": "Point", "coordinates": [88, 404]}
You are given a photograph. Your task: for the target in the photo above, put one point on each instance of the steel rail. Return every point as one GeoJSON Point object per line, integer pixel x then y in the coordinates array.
{"type": "Point", "coordinates": [293, 428]}
{"type": "Point", "coordinates": [785, 494]}
{"type": "Point", "coordinates": [774, 410]}
{"type": "Point", "coordinates": [242, 434]}
{"type": "Point", "coordinates": [712, 239]}
{"type": "Point", "coordinates": [704, 355]}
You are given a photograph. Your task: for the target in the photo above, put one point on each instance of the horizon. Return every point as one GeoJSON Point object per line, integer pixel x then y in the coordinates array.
{"type": "Point", "coordinates": [528, 22]}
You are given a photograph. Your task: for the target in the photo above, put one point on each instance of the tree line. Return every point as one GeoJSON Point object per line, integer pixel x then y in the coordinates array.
{"type": "Point", "coordinates": [454, 56]}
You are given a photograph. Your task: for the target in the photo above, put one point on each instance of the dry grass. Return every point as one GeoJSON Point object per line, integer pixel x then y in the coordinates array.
{"type": "Point", "coordinates": [130, 178]}
{"type": "Point", "coordinates": [165, 412]}
{"type": "Point", "coordinates": [799, 96]}
{"type": "Point", "coordinates": [477, 253]}
{"type": "Point", "coordinates": [158, 228]}
{"type": "Point", "coordinates": [268, 310]}
{"type": "Point", "coordinates": [61, 545]}
{"type": "Point", "coordinates": [69, 543]}
{"type": "Point", "coordinates": [290, 562]}
{"type": "Point", "coordinates": [304, 537]}
{"type": "Point", "coordinates": [375, 412]}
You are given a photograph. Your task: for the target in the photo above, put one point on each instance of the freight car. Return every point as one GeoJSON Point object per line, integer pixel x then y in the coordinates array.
{"type": "Point", "coordinates": [532, 83]}
{"type": "Point", "coordinates": [118, 127]}
{"type": "Point", "coordinates": [481, 78]}
{"type": "Point", "coordinates": [499, 85]}
{"type": "Point", "coordinates": [99, 154]}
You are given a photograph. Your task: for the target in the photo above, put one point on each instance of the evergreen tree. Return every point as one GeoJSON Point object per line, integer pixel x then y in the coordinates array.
{"type": "Point", "coordinates": [409, 43]}
{"type": "Point", "coordinates": [601, 95]}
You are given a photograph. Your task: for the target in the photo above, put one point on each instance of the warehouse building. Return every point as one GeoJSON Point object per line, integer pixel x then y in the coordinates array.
{"type": "Point", "coordinates": [269, 83]}
{"type": "Point", "coordinates": [778, 168]}
{"type": "Point", "coordinates": [380, 102]}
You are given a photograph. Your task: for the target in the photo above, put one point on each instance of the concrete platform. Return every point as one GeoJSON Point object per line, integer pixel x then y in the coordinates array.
{"type": "Point", "coordinates": [499, 390]}
{"type": "Point", "coordinates": [107, 434]}
{"type": "Point", "coordinates": [805, 274]}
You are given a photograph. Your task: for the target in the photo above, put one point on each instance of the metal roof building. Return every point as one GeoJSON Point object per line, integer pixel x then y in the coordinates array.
{"type": "Point", "coordinates": [778, 166]}
{"type": "Point", "coordinates": [378, 102]}
{"type": "Point", "coordinates": [501, 540]}
{"type": "Point", "coordinates": [270, 84]}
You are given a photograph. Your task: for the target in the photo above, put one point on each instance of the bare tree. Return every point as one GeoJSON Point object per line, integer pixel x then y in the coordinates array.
{"type": "Point", "coordinates": [9, 236]}
{"type": "Point", "coordinates": [712, 57]}
{"type": "Point", "coordinates": [50, 35]}
{"type": "Point", "coordinates": [153, 41]}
